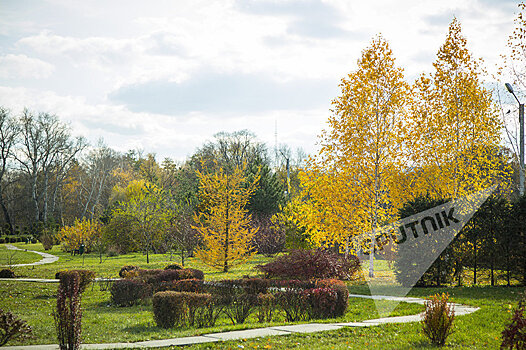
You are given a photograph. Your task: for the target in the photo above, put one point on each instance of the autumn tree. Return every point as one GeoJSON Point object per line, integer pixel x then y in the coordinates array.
{"type": "Point", "coordinates": [9, 131]}
{"type": "Point", "coordinates": [241, 149]}
{"type": "Point", "coordinates": [223, 222]}
{"type": "Point", "coordinates": [455, 129]}
{"type": "Point", "coordinates": [513, 71]}
{"type": "Point", "coordinates": [87, 232]}
{"type": "Point", "coordinates": [145, 212]}
{"type": "Point", "coordinates": [349, 180]}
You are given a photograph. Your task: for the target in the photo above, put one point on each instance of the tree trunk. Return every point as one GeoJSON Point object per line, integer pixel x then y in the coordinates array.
{"type": "Point", "coordinates": [44, 209]}
{"type": "Point", "coordinates": [6, 215]}
{"type": "Point", "coordinates": [35, 198]}
{"type": "Point", "coordinates": [225, 268]}
{"type": "Point", "coordinates": [475, 264]}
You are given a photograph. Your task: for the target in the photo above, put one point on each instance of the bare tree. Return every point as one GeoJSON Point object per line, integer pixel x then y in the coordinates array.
{"type": "Point", "coordinates": [8, 134]}
{"type": "Point", "coordinates": [46, 150]}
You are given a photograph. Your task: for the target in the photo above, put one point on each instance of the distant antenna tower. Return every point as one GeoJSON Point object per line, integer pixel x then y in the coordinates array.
{"type": "Point", "coordinates": [276, 163]}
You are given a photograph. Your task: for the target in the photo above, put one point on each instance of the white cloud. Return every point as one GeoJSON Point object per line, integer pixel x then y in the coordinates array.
{"type": "Point", "coordinates": [20, 66]}
{"type": "Point", "coordinates": [167, 136]}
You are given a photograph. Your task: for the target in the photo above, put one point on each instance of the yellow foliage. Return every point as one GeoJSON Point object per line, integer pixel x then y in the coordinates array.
{"type": "Point", "coordinates": [349, 182]}
{"type": "Point", "coordinates": [455, 129]}
{"type": "Point", "coordinates": [87, 232]}
{"type": "Point", "coordinates": [223, 222]}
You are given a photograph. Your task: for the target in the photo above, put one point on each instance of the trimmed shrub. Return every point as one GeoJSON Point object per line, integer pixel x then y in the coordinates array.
{"type": "Point", "coordinates": [127, 292]}
{"type": "Point", "coordinates": [190, 285]}
{"type": "Point", "coordinates": [292, 302]}
{"type": "Point", "coordinates": [172, 308]}
{"type": "Point", "coordinates": [162, 279]}
{"type": "Point", "coordinates": [126, 269]}
{"type": "Point", "coordinates": [320, 302]}
{"type": "Point", "coordinates": [438, 319]}
{"type": "Point", "coordinates": [68, 314]}
{"type": "Point", "coordinates": [199, 309]}
{"type": "Point", "coordinates": [7, 273]}
{"type": "Point", "coordinates": [341, 290]}
{"type": "Point", "coordinates": [266, 307]}
{"type": "Point", "coordinates": [514, 335]}
{"type": "Point", "coordinates": [169, 309]}
{"type": "Point", "coordinates": [86, 277]}
{"type": "Point", "coordinates": [239, 297]}
{"type": "Point", "coordinates": [311, 264]}
{"type": "Point", "coordinates": [173, 267]}
{"type": "Point", "coordinates": [198, 274]}
{"type": "Point", "coordinates": [47, 241]}
{"type": "Point", "coordinates": [11, 327]}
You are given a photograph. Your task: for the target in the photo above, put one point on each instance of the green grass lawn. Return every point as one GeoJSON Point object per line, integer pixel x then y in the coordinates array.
{"type": "Point", "coordinates": [9, 257]}
{"type": "Point", "coordinates": [479, 330]}
{"type": "Point", "coordinates": [105, 323]}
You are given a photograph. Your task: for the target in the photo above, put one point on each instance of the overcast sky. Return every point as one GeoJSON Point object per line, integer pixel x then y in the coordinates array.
{"type": "Point", "coordinates": [165, 76]}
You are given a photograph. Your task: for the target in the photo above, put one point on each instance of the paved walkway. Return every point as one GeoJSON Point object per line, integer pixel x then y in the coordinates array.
{"type": "Point", "coordinates": [244, 334]}
{"type": "Point", "coordinates": [263, 332]}
{"type": "Point", "coordinates": [46, 258]}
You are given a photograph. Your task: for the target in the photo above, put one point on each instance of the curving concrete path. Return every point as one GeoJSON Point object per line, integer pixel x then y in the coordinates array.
{"type": "Point", "coordinates": [46, 258]}
{"type": "Point", "coordinates": [263, 332]}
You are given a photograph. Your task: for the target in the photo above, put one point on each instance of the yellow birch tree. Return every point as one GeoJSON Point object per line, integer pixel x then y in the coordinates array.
{"type": "Point", "coordinates": [455, 128]}
{"type": "Point", "coordinates": [223, 222]}
{"type": "Point", "coordinates": [349, 180]}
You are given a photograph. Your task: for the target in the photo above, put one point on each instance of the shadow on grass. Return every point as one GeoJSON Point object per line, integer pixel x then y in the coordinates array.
{"type": "Point", "coordinates": [143, 328]}
{"type": "Point", "coordinates": [45, 297]}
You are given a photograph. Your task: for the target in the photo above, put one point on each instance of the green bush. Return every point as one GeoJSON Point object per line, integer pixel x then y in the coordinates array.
{"type": "Point", "coordinates": [438, 319]}
{"type": "Point", "coordinates": [127, 292]}
{"type": "Point", "coordinates": [86, 277]}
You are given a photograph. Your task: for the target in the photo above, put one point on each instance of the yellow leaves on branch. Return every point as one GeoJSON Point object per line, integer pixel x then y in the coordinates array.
{"type": "Point", "coordinates": [87, 232]}
{"type": "Point", "coordinates": [223, 222]}
{"type": "Point", "coordinates": [348, 182]}
{"type": "Point", "coordinates": [455, 128]}
{"type": "Point", "coordinates": [388, 142]}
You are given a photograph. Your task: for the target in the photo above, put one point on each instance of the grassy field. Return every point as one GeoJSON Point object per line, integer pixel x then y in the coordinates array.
{"type": "Point", "coordinates": [9, 257]}
{"type": "Point", "coordinates": [104, 323]}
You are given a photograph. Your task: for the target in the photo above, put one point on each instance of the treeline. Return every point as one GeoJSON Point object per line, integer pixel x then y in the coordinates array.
{"type": "Point", "coordinates": [50, 179]}
{"type": "Point", "coordinates": [491, 248]}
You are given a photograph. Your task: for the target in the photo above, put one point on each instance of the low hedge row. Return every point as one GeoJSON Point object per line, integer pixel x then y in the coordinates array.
{"type": "Point", "coordinates": [197, 303]}
{"type": "Point", "coordinates": [138, 284]}
{"type": "Point", "coordinates": [16, 239]}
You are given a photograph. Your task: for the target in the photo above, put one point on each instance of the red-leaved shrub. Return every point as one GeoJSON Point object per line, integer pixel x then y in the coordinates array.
{"type": "Point", "coordinates": [127, 292]}
{"type": "Point", "coordinates": [514, 335]}
{"type": "Point", "coordinates": [311, 264]}
{"type": "Point", "coordinates": [11, 327]}
{"type": "Point", "coordinates": [341, 291]}
{"type": "Point", "coordinates": [68, 314]}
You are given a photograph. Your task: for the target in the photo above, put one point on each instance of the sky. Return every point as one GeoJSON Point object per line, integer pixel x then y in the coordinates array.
{"type": "Point", "coordinates": [164, 76]}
